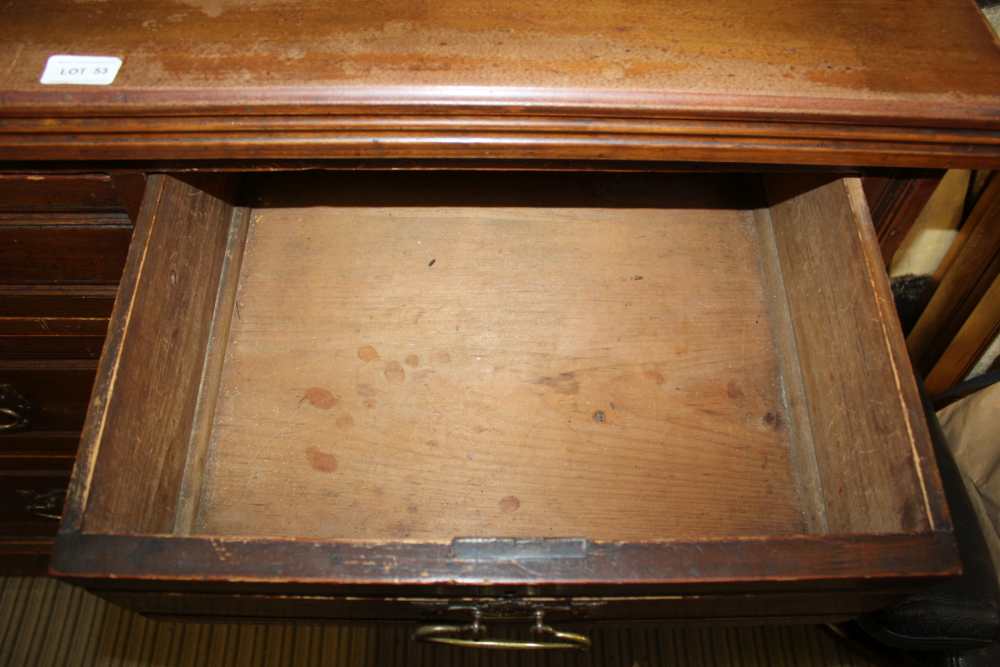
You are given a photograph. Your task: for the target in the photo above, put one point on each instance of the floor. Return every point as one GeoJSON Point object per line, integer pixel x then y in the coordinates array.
{"type": "Point", "coordinates": [45, 622]}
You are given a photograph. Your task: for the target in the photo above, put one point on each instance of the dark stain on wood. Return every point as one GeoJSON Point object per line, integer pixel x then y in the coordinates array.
{"type": "Point", "coordinates": [733, 391]}
{"type": "Point", "coordinates": [318, 397]}
{"type": "Point", "coordinates": [321, 461]}
{"type": "Point", "coordinates": [654, 376]}
{"type": "Point", "coordinates": [367, 353]}
{"type": "Point", "coordinates": [510, 504]}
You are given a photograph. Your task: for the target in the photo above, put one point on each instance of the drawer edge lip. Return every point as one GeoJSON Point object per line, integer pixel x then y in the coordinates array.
{"type": "Point", "coordinates": [805, 562]}
{"type": "Point", "coordinates": [714, 143]}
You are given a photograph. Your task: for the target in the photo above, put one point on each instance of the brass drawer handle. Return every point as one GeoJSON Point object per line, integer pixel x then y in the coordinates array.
{"type": "Point", "coordinates": [46, 504]}
{"type": "Point", "coordinates": [451, 635]}
{"type": "Point", "coordinates": [14, 410]}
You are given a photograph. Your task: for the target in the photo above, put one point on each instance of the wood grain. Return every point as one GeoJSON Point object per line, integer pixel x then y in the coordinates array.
{"type": "Point", "coordinates": [801, 82]}
{"type": "Point", "coordinates": [811, 50]}
{"type": "Point", "coordinates": [440, 372]}
{"type": "Point", "coordinates": [871, 444]}
{"type": "Point", "coordinates": [184, 230]}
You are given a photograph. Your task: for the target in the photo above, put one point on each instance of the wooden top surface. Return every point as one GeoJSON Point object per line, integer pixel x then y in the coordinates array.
{"type": "Point", "coordinates": [919, 64]}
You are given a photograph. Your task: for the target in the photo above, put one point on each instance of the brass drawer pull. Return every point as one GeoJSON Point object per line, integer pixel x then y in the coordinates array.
{"type": "Point", "coordinates": [451, 635]}
{"type": "Point", "coordinates": [14, 410]}
{"type": "Point", "coordinates": [46, 504]}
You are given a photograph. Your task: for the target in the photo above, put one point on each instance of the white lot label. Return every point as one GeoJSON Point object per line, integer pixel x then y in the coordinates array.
{"type": "Point", "coordinates": [81, 70]}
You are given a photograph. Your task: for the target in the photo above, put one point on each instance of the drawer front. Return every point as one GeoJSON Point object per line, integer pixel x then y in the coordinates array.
{"type": "Point", "coordinates": [58, 346]}
{"type": "Point", "coordinates": [48, 396]}
{"type": "Point", "coordinates": [30, 505]}
{"type": "Point", "coordinates": [38, 450]}
{"type": "Point", "coordinates": [89, 253]}
{"type": "Point", "coordinates": [26, 309]}
{"type": "Point", "coordinates": [57, 192]}
{"type": "Point", "coordinates": [54, 322]}
{"type": "Point", "coordinates": [826, 606]}
{"type": "Point", "coordinates": [31, 502]}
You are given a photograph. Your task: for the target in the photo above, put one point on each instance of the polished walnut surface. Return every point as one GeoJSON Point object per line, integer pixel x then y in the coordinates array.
{"type": "Point", "coordinates": [845, 82]}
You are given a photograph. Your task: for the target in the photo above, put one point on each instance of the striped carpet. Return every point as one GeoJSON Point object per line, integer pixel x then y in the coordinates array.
{"type": "Point", "coordinates": [44, 622]}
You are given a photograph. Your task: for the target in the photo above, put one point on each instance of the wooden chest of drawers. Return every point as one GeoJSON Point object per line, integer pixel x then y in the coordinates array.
{"type": "Point", "coordinates": [63, 241]}
{"type": "Point", "coordinates": [526, 311]}
{"type": "Point", "coordinates": [458, 387]}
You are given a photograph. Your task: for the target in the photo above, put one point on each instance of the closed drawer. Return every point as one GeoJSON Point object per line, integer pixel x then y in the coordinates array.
{"type": "Point", "coordinates": [52, 395]}
{"type": "Point", "coordinates": [461, 385]}
{"type": "Point", "coordinates": [54, 322]}
{"type": "Point", "coordinates": [749, 608]}
{"type": "Point", "coordinates": [38, 450]}
{"type": "Point", "coordinates": [31, 502]}
{"type": "Point", "coordinates": [66, 248]}
{"type": "Point", "coordinates": [48, 192]}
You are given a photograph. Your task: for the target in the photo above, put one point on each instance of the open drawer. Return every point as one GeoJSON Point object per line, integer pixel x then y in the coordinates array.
{"type": "Point", "coordinates": [410, 395]}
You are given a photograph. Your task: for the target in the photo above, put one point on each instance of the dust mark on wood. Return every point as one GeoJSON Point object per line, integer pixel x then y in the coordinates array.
{"type": "Point", "coordinates": [399, 529]}
{"type": "Point", "coordinates": [345, 422]}
{"type": "Point", "coordinates": [366, 390]}
{"type": "Point", "coordinates": [564, 383]}
{"type": "Point", "coordinates": [318, 397]}
{"type": "Point", "coordinates": [369, 403]}
{"type": "Point", "coordinates": [220, 550]}
{"type": "Point", "coordinates": [733, 391]}
{"type": "Point", "coordinates": [394, 372]}
{"type": "Point", "coordinates": [422, 375]}
{"type": "Point", "coordinates": [441, 357]}
{"type": "Point", "coordinates": [510, 504]}
{"type": "Point", "coordinates": [367, 353]}
{"type": "Point", "coordinates": [320, 460]}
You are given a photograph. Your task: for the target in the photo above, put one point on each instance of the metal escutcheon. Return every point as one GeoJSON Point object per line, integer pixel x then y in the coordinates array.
{"type": "Point", "coordinates": [473, 634]}
{"type": "Point", "coordinates": [14, 410]}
